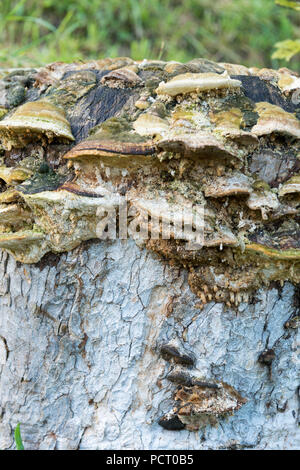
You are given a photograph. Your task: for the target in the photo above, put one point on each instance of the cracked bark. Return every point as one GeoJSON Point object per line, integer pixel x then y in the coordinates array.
{"type": "Point", "coordinates": [86, 373]}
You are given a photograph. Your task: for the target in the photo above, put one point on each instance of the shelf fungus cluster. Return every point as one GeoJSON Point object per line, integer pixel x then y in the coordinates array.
{"type": "Point", "coordinates": [164, 137]}
{"type": "Point", "coordinates": [198, 402]}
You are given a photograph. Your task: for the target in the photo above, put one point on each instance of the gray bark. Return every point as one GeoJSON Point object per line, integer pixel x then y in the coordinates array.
{"type": "Point", "coordinates": [80, 363]}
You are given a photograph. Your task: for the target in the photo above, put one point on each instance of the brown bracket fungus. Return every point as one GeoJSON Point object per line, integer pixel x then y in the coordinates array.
{"type": "Point", "coordinates": [173, 352]}
{"type": "Point", "coordinates": [267, 357]}
{"type": "Point", "coordinates": [198, 406]}
{"type": "Point", "coordinates": [122, 78]}
{"type": "Point", "coordinates": [198, 402]}
{"type": "Point", "coordinates": [115, 144]}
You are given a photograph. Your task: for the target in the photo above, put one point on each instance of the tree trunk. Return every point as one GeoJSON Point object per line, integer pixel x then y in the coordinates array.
{"type": "Point", "coordinates": [126, 344]}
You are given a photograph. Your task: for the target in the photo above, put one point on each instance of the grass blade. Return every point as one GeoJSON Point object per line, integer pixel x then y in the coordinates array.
{"type": "Point", "coordinates": [18, 438]}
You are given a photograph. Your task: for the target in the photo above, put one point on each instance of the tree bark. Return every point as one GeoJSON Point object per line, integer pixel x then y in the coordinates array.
{"type": "Point", "coordinates": [92, 331]}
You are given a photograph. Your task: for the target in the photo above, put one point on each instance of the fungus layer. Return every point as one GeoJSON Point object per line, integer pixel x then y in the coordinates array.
{"type": "Point", "coordinates": [163, 137]}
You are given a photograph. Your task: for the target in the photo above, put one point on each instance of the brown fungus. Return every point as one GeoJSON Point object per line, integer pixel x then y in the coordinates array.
{"type": "Point", "coordinates": [267, 357]}
{"type": "Point", "coordinates": [172, 351]}
{"type": "Point", "coordinates": [200, 405]}
{"type": "Point", "coordinates": [125, 77]}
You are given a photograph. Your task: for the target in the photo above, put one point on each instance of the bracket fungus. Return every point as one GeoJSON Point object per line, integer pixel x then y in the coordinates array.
{"type": "Point", "coordinates": [229, 123]}
{"type": "Point", "coordinates": [197, 401]}
{"type": "Point", "coordinates": [115, 144]}
{"type": "Point", "coordinates": [122, 78]}
{"type": "Point", "coordinates": [14, 175]}
{"type": "Point", "coordinates": [201, 144]}
{"type": "Point", "coordinates": [263, 199]}
{"type": "Point", "coordinates": [150, 124]}
{"type": "Point", "coordinates": [27, 246]}
{"type": "Point", "coordinates": [288, 82]}
{"type": "Point", "coordinates": [173, 351]}
{"type": "Point", "coordinates": [196, 82]}
{"type": "Point", "coordinates": [37, 120]}
{"type": "Point", "coordinates": [201, 405]}
{"type": "Point", "coordinates": [291, 186]}
{"type": "Point", "coordinates": [234, 184]}
{"type": "Point", "coordinates": [273, 119]}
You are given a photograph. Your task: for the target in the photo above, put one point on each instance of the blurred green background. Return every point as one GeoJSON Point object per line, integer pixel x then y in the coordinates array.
{"type": "Point", "coordinates": [35, 32]}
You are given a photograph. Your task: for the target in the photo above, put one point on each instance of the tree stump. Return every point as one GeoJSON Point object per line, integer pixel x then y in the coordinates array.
{"type": "Point", "coordinates": [118, 328]}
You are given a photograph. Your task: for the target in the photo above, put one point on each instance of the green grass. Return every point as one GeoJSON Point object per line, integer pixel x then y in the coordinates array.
{"type": "Point", "coordinates": [35, 32]}
{"type": "Point", "coordinates": [18, 438]}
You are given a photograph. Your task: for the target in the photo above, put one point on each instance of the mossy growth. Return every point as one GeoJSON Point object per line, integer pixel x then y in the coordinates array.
{"type": "Point", "coordinates": [46, 179]}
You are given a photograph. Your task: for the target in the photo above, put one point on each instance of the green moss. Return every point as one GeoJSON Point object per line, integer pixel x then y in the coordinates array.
{"type": "Point", "coordinates": [44, 180]}
{"type": "Point", "coordinates": [291, 254]}
{"type": "Point", "coordinates": [15, 96]}
{"type": "Point", "coordinates": [260, 185]}
{"type": "Point", "coordinates": [247, 107]}
{"type": "Point", "coordinates": [3, 112]}
{"type": "Point", "coordinates": [116, 128]}
{"type": "Point", "coordinates": [71, 89]}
